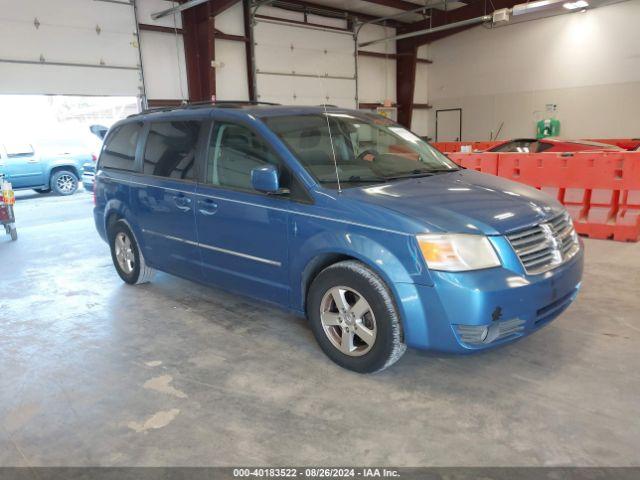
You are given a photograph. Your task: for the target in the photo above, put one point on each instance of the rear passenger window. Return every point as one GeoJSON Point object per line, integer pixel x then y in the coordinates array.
{"type": "Point", "coordinates": [171, 149]}
{"type": "Point", "coordinates": [235, 151]}
{"type": "Point", "coordinates": [120, 149]}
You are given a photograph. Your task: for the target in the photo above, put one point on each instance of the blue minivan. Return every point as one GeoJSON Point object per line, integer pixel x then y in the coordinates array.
{"type": "Point", "coordinates": [343, 216]}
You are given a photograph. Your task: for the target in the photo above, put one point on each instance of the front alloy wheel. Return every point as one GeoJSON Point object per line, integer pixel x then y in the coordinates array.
{"type": "Point", "coordinates": [348, 321]}
{"type": "Point", "coordinates": [354, 318]}
{"type": "Point", "coordinates": [64, 182]}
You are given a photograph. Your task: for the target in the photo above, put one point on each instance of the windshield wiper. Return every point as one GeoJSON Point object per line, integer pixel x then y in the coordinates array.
{"type": "Point", "coordinates": [357, 179]}
{"type": "Point", "coordinates": [421, 173]}
{"type": "Point", "coordinates": [412, 174]}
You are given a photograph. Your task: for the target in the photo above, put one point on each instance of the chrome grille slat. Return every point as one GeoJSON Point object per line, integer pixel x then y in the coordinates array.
{"type": "Point", "coordinates": [542, 257]}
{"type": "Point", "coordinates": [524, 233]}
{"type": "Point", "coordinates": [525, 252]}
{"type": "Point", "coordinates": [527, 240]}
{"type": "Point", "coordinates": [545, 246]}
{"type": "Point", "coordinates": [548, 257]}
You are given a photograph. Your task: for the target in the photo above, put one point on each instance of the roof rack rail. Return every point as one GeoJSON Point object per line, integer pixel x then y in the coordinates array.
{"type": "Point", "coordinates": [227, 102]}
{"type": "Point", "coordinates": [205, 103]}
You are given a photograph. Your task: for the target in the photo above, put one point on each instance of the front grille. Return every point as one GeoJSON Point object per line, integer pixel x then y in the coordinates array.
{"type": "Point", "coordinates": [547, 245]}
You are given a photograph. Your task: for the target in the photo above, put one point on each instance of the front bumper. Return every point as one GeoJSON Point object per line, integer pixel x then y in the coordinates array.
{"type": "Point", "coordinates": [452, 315]}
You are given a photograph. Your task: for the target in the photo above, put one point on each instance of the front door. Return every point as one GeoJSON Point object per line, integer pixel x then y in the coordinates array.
{"type": "Point", "coordinates": [164, 200]}
{"type": "Point", "coordinates": [242, 233]}
{"type": "Point", "coordinates": [21, 166]}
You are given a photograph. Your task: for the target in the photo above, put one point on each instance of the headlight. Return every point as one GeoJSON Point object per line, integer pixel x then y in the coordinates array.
{"type": "Point", "coordinates": [457, 252]}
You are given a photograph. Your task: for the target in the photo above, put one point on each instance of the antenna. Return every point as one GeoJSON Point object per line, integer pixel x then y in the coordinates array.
{"type": "Point", "coordinates": [326, 115]}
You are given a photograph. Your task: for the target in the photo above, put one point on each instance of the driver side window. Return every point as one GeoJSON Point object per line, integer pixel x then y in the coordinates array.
{"type": "Point", "coordinates": [234, 151]}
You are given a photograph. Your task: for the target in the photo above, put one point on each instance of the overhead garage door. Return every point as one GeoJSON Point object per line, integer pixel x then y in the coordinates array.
{"type": "Point", "coordinates": [72, 47]}
{"type": "Point", "coordinates": [300, 65]}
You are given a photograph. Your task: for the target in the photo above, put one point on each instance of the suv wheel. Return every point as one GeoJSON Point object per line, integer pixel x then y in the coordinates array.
{"type": "Point", "coordinates": [64, 182]}
{"type": "Point", "coordinates": [127, 257]}
{"type": "Point", "coordinates": [354, 318]}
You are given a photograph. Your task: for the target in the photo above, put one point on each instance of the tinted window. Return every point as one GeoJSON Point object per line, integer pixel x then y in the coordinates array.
{"type": "Point", "coordinates": [171, 149]}
{"type": "Point", "coordinates": [18, 149]}
{"type": "Point", "coordinates": [542, 146]}
{"type": "Point", "coordinates": [519, 146]}
{"type": "Point", "coordinates": [234, 152]}
{"type": "Point", "coordinates": [120, 149]}
{"type": "Point", "coordinates": [356, 148]}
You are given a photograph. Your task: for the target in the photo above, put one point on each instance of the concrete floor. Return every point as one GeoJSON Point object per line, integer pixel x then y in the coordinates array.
{"type": "Point", "coordinates": [94, 372]}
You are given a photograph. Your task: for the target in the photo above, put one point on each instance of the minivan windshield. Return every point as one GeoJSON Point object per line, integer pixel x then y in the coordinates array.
{"type": "Point", "coordinates": [367, 148]}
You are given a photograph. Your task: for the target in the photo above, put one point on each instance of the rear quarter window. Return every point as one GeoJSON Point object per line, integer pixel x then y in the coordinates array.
{"type": "Point", "coordinates": [120, 148]}
{"type": "Point", "coordinates": [171, 149]}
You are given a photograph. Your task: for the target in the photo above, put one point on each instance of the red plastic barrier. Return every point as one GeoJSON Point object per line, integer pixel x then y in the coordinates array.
{"type": "Point", "coordinates": [600, 190]}
{"type": "Point", "coordinates": [481, 162]}
{"type": "Point", "coordinates": [453, 147]}
{"type": "Point", "coordinates": [450, 147]}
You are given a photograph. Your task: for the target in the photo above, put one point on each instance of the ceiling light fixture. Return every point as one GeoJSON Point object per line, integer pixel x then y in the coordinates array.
{"type": "Point", "coordinates": [576, 5]}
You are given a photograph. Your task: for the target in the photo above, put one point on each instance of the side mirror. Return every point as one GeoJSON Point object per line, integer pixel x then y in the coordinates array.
{"type": "Point", "coordinates": [265, 179]}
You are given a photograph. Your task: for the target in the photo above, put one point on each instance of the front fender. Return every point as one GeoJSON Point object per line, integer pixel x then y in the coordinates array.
{"type": "Point", "coordinates": [394, 257]}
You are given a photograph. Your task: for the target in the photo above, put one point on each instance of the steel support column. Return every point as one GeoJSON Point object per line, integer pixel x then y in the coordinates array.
{"type": "Point", "coordinates": [198, 25]}
{"type": "Point", "coordinates": [405, 79]}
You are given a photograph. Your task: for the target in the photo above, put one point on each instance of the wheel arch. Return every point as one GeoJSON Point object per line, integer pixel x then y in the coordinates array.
{"type": "Point", "coordinates": [66, 167]}
{"type": "Point", "coordinates": [322, 260]}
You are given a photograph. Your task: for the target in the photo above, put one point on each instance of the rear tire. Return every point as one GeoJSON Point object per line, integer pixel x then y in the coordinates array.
{"type": "Point", "coordinates": [354, 318]}
{"type": "Point", "coordinates": [14, 234]}
{"type": "Point", "coordinates": [64, 182]}
{"type": "Point", "coordinates": [127, 257]}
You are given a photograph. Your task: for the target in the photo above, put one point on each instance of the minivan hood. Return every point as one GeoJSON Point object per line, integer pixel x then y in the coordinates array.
{"type": "Point", "coordinates": [463, 201]}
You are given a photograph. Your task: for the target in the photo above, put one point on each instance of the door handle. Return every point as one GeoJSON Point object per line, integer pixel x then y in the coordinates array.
{"type": "Point", "coordinates": [33, 160]}
{"type": "Point", "coordinates": [182, 203]}
{"type": "Point", "coordinates": [207, 207]}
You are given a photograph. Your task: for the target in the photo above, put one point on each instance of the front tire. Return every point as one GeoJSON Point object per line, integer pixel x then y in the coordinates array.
{"type": "Point", "coordinates": [354, 318]}
{"type": "Point", "coordinates": [127, 257]}
{"type": "Point", "coordinates": [64, 182]}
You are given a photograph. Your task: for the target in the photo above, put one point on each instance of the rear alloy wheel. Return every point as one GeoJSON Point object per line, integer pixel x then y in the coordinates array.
{"type": "Point", "coordinates": [64, 182]}
{"type": "Point", "coordinates": [126, 255]}
{"type": "Point", "coordinates": [354, 318]}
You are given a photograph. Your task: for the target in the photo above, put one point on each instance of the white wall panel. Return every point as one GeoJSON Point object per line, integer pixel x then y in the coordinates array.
{"type": "Point", "coordinates": [376, 76]}
{"type": "Point", "coordinates": [420, 122]}
{"type": "Point", "coordinates": [376, 79]}
{"type": "Point", "coordinates": [231, 77]}
{"type": "Point", "coordinates": [231, 21]}
{"type": "Point", "coordinates": [374, 32]}
{"type": "Point", "coordinates": [164, 65]}
{"type": "Point", "coordinates": [68, 31]}
{"type": "Point", "coordinates": [294, 52]}
{"type": "Point", "coordinates": [586, 63]}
